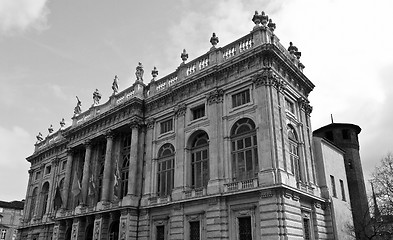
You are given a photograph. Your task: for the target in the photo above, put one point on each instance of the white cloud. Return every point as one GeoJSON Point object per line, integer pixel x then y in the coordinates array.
{"type": "Point", "coordinates": [20, 15]}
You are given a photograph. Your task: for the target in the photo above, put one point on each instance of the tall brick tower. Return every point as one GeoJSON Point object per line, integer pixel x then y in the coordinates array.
{"type": "Point", "coordinates": [345, 136]}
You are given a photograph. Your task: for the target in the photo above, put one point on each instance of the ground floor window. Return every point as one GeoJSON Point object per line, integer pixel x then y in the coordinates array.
{"type": "Point", "coordinates": [306, 226]}
{"type": "Point", "coordinates": [195, 230]}
{"type": "Point", "coordinates": [160, 232]}
{"type": "Point", "coordinates": [245, 228]}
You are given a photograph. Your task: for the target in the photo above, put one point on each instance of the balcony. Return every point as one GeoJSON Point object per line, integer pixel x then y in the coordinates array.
{"type": "Point", "coordinates": [241, 185]}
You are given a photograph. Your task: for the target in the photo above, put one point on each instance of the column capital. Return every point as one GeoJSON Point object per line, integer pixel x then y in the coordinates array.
{"type": "Point", "coordinates": [215, 96]}
{"type": "Point", "coordinates": [269, 78]}
{"type": "Point", "coordinates": [109, 134]}
{"type": "Point", "coordinates": [87, 143]}
{"type": "Point", "coordinates": [150, 122]}
{"type": "Point", "coordinates": [69, 151]}
{"type": "Point", "coordinates": [180, 110]}
{"type": "Point", "coordinates": [135, 123]}
{"type": "Point", "coordinates": [305, 105]}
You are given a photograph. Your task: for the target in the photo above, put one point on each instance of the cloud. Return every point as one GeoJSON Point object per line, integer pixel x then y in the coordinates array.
{"type": "Point", "coordinates": [21, 15]}
{"type": "Point", "coordinates": [15, 145]}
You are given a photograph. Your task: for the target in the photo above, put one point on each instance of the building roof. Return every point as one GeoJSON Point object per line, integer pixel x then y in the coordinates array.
{"type": "Point", "coordinates": [338, 125]}
{"type": "Point", "coordinates": [13, 204]}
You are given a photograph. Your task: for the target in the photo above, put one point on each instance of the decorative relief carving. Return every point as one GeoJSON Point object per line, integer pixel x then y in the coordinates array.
{"type": "Point", "coordinates": [180, 110]}
{"type": "Point", "coordinates": [213, 201]}
{"type": "Point", "coordinates": [74, 231]}
{"type": "Point", "coordinates": [55, 232]}
{"type": "Point", "coordinates": [150, 122]}
{"type": "Point", "coordinates": [123, 229]}
{"type": "Point", "coordinates": [97, 230]}
{"type": "Point", "coordinates": [135, 123]}
{"type": "Point", "coordinates": [305, 105]}
{"type": "Point", "coordinates": [266, 194]}
{"type": "Point", "coordinates": [269, 78]}
{"type": "Point", "coordinates": [215, 96]}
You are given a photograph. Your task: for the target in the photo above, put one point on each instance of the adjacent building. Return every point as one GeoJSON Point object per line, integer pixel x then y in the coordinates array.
{"type": "Point", "coordinates": [222, 148]}
{"type": "Point", "coordinates": [11, 214]}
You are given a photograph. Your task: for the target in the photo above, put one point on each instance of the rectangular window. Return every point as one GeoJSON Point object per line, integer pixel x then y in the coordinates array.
{"type": "Point", "coordinates": [2, 234]}
{"type": "Point", "coordinates": [195, 230]}
{"type": "Point", "coordinates": [37, 175]}
{"type": "Point", "coordinates": [48, 169]}
{"type": "Point", "coordinates": [342, 190]}
{"type": "Point", "coordinates": [290, 106]}
{"type": "Point", "coordinates": [160, 232]}
{"type": "Point", "coordinates": [63, 165]}
{"type": "Point", "coordinates": [241, 98]}
{"type": "Point", "coordinates": [333, 186]}
{"type": "Point", "coordinates": [306, 227]}
{"type": "Point", "coordinates": [1, 210]}
{"type": "Point", "coordinates": [245, 228]}
{"type": "Point", "coordinates": [198, 112]}
{"type": "Point", "coordinates": [166, 126]}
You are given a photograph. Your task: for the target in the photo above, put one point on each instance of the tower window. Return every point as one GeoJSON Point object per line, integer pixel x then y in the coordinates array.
{"type": "Point", "coordinates": [342, 190]}
{"type": "Point", "coordinates": [345, 134]}
{"type": "Point", "coordinates": [333, 186]}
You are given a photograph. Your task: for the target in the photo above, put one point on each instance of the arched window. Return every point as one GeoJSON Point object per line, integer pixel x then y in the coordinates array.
{"type": "Point", "coordinates": [244, 150]}
{"type": "Point", "coordinates": [125, 154]}
{"type": "Point", "coordinates": [114, 230]}
{"type": "Point", "coordinates": [200, 161]}
{"type": "Point", "coordinates": [166, 161]}
{"type": "Point", "coordinates": [294, 152]}
{"type": "Point", "coordinates": [33, 203]}
{"type": "Point", "coordinates": [44, 197]}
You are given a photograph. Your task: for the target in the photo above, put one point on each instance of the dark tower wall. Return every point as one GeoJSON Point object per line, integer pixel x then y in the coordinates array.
{"type": "Point", "coordinates": [345, 136]}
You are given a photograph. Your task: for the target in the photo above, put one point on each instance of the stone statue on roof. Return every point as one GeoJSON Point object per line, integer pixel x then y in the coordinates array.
{"type": "Point", "coordinates": [115, 85]}
{"type": "Point", "coordinates": [50, 129]}
{"type": "Point", "coordinates": [139, 72]}
{"type": "Point", "coordinates": [62, 123]}
{"type": "Point", "coordinates": [96, 97]}
{"type": "Point", "coordinates": [78, 109]}
{"type": "Point", "coordinates": [39, 137]}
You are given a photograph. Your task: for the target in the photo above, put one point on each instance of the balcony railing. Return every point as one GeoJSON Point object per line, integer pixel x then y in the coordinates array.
{"type": "Point", "coordinates": [241, 185]}
{"type": "Point", "coordinates": [197, 192]}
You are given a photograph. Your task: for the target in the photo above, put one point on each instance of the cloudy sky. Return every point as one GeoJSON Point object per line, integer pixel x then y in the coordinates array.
{"type": "Point", "coordinates": [51, 51]}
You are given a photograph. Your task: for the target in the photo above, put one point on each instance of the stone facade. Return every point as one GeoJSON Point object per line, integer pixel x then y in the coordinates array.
{"type": "Point", "coordinates": [219, 149]}
{"type": "Point", "coordinates": [11, 214]}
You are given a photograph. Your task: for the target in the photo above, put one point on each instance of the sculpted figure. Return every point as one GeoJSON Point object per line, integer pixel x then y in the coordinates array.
{"type": "Point", "coordinates": [115, 85]}
{"type": "Point", "coordinates": [96, 97]}
{"type": "Point", "coordinates": [62, 123]}
{"type": "Point", "coordinates": [50, 129]}
{"type": "Point", "coordinates": [77, 109]}
{"type": "Point", "coordinates": [39, 137]}
{"type": "Point", "coordinates": [139, 72]}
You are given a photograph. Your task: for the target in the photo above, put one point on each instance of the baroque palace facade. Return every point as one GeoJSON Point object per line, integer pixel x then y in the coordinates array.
{"type": "Point", "coordinates": [219, 149]}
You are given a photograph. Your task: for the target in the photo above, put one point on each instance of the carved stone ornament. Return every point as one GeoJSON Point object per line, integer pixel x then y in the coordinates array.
{"type": "Point", "coordinates": [78, 109]}
{"type": "Point", "coordinates": [62, 123]}
{"type": "Point", "coordinates": [150, 122]}
{"type": "Point", "coordinates": [266, 194]}
{"type": "Point", "coordinates": [135, 123]}
{"type": "Point", "coordinates": [180, 110]}
{"type": "Point", "coordinates": [50, 129]}
{"type": "Point", "coordinates": [115, 85]}
{"type": "Point", "coordinates": [96, 97]}
{"type": "Point", "coordinates": [39, 137]}
{"type": "Point", "coordinates": [214, 40]}
{"type": "Point", "coordinates": [305, 104]}
{"type": "Point", "coordinates": [260, 19]}
{"type": "Point", "coordinates": [265, 78]}
{"type": "Point", "coordinates": [139, 72]}
{"type": "Point", "coordinates": [154, 73]}
{"type": "Point", "coordinates": [184, 56]}
{"type": "Point", "coordinates": [271, 25]}
{"type": "Point", "coordinates": [216, 96]}
{"type": "Point", "coordinates": [74, 231]}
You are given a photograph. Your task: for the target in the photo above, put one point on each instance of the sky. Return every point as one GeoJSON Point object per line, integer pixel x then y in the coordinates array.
{"type": "Point", "coordinates": [52, 51]}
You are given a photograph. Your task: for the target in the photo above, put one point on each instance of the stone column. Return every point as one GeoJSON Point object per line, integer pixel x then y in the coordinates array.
{"type": "Point", "coordinates": [107, 167]}
{"type": "Point", "coordinates": [133, 158]}
{"type": "Point", "coordinates": [86, 171]}
{"type": "Point", "coordinates": [216, 142]}
{"type": "Point", "coordinates": [180, 164]}
{"type": "Point", "coordinates": [67, 180]}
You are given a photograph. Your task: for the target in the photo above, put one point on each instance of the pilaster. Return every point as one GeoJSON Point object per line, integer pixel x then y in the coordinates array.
{"type": "Point", "coordinates": [107, 167]}
{"type": "Point", "coordinates": [180, 167]}
{"type": "Point", "coordinates": [216, 141]}
{"type": "Point", "coordinates": [132, 176]}
{"type": "Point", "coordinates": [148, 171]}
